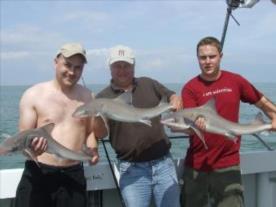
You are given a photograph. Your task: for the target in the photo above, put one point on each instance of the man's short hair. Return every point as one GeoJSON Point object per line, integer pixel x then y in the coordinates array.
{"type": "Point", "coordinates": [209, 41]}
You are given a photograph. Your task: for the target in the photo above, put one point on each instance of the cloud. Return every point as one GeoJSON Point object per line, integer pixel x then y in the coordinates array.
{"type": "Point", "coordinates": [264, 26]}
{"type": "Point", "coordinates": [154, 63]}
{"type": "Point", "coordinates": [15, 55]}
{"type": "Point", "coordinates": [163, 33]}
{"type": "Point", "coordinates": [21, 34]}
{"type": "Point", "coordinates": [29, 36]}
{"type": "Point", "coordinates": [87, 20]}
{"type": "Point", "coordinates": [89, 16]}
{"type": "Point", "coordinates": [98, 52]}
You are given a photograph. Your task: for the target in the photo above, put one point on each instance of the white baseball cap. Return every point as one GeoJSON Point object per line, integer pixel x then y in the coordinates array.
{"type": "Point", "coordinates": [121, 53]}
{"type": "Point", "coordinates": [70, 49]}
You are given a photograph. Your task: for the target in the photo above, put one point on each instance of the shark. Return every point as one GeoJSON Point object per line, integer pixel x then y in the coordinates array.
{"type": "Point", "coordinates": [214, 123]}
{"type": "Point", "coordinates": [21, 142]}
{"type": "Point", "coordinates": [120, 109]}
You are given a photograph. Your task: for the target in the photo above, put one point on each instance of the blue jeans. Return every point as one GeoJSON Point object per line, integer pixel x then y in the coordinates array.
{"type": "Point", "coordinates": [140, 181]}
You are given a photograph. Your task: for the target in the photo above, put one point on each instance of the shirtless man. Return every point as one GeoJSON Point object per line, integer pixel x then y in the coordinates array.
{"type": "Point", "coordinates": [57, 182]}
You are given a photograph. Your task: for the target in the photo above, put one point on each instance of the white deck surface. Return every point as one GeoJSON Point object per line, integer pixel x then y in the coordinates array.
{"type": "Point", "coordinates": [258, 170]}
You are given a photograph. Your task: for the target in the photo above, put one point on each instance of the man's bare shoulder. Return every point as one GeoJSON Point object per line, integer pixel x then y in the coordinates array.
{"type": "Point", "coordinates": [37, 89]}
{"type": "Point", "coordinates": [33, 94]}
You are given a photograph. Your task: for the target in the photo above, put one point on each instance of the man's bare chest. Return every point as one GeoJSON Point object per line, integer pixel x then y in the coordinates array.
{"type": "Point", "coordinates": [56, 109]}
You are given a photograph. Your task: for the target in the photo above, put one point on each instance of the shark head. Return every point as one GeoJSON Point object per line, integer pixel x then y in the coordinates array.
{"type": "Point", "coordinates": [82, 112]}
{"type": "Point", "coordinates": [86, 110]}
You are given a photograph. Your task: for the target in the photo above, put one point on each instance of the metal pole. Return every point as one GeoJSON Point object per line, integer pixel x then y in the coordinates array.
{"type": "Point", "coordinates": [263, 142]}
{"type": "Point", "coordinates": [228, 14]}
{"type": "Point", "coordinates": [109, 162]}
{"type": "Point", "coordinates": [113, 174]}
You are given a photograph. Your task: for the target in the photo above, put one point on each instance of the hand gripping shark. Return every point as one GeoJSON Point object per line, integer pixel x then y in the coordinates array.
{"type": "Point", "coordinates": [21, 142]}
{"type": "Point", "coordinates": [120, 109]}
{"type": "Point", "coordinates": [185, 119]}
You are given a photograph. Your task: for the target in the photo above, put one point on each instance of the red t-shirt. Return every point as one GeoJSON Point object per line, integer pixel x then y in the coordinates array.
{"type": "Point", "coordinates": [228, 91]}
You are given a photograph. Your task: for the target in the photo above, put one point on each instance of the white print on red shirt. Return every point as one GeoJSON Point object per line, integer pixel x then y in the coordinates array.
{"type": "Point", "coordinates": [217, 91]}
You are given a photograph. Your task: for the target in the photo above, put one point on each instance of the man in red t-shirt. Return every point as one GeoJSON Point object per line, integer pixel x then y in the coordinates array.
{"type": "Point", "coordinates": [213, 175]}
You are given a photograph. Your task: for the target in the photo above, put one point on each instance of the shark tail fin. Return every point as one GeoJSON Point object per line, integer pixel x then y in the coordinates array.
{"type": "Point", "coordinates": [259, 119]}
{"type": "Point", "coordinates": [7, 144]}
{"type": "Point", "coordinates": [28, 153]}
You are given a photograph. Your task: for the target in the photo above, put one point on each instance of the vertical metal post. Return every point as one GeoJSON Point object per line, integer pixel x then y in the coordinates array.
{"type": "Point", "coordinates": [114, 176]}
{"type": "Point", "coordinates": [226, 22]}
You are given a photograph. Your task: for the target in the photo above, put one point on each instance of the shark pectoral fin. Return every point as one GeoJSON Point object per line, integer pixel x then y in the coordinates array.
{"type": "Point", "coordinates": [59, 158]}
{"type": "Point", "coordinates": [146, 121]}
{"type": "Point", "coordinates": [28, 153]}
{"type": "Point", "coordinates": [231, 136]}
{"type": "Point", "coordinates": [166, 121]}
{"type": "Point", "coordinates": [200, 135]}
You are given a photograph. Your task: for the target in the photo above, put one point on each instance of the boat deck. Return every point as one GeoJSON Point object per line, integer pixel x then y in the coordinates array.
{"type": "Point", "coordinates": [258, 174]}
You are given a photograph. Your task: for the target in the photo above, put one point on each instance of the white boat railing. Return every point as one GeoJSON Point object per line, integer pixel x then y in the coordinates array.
{"type": "Point", "coordinates": [258, 174]}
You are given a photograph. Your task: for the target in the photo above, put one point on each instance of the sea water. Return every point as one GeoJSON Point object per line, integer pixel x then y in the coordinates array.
{"type": "Point", "coordinates": [9, 103]}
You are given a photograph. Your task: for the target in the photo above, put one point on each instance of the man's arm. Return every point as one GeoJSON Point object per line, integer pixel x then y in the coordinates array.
{"type": "Point", "coordinates": [269, 109]}
{"type": "Point", "coordinates": [28, 120]}
{"type": "Point", "coordinates": [99, 128]}
{"type": "Point", "coordinates": [176, 102]}
{"type": "Point", "coordinates": [92, 146]}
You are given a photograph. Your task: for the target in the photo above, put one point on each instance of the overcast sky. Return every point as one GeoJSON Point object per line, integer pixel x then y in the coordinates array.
{"type": "Point", "coordinates": [163, 35]}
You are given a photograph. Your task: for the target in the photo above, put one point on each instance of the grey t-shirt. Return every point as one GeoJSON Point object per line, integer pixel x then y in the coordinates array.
{"type": "Point", "coordinates": [137, 142]}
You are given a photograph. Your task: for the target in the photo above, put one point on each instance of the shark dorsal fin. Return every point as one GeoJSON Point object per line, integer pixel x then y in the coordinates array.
{"type": "Point", "coordinates": [210, 105]}
{"type": "Point", "coordinates": [125, 98]}
{"type": "Point", "coordinates": [48, 127]}
{"type": "Point", "coordinates": [164, 100]}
